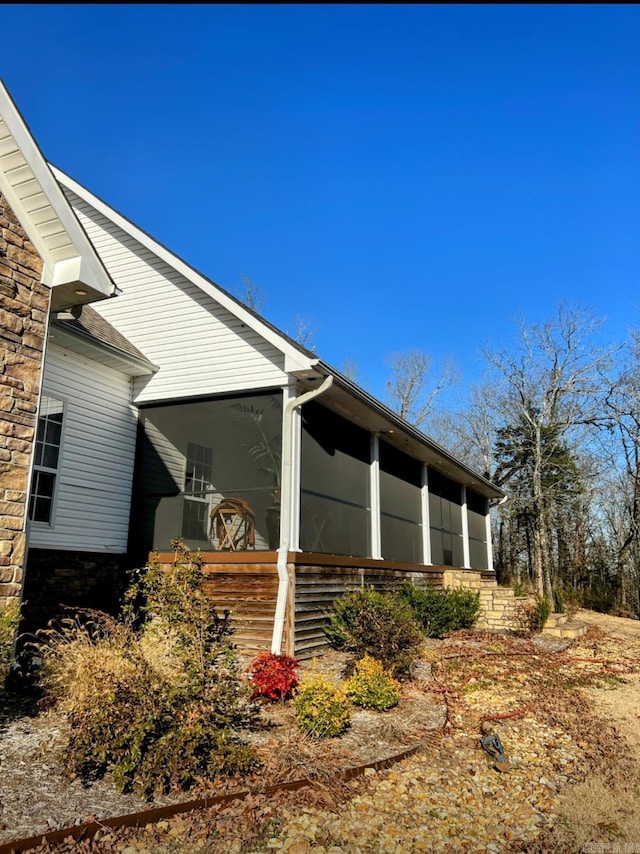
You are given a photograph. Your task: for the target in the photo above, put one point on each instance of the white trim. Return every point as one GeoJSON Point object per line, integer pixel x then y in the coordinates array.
{"type": "Point", "coordinates": [38, 202]}
{"type": "Point", "coordinates": [466, 555]}
{"type": "Point", "coordinates": [374, 488]}
{"type": "Point", "coordinates": [295, 358]}
{"type": "Point", "coordinates": [57, 472]}
{"type": "Point", "coordinates": [285, 510]}
{"type": "Point", "coordinates": [487, 522]}
{"type": "Point", "coordinates": [426, 521]}
{"type": "Point", "coordinates": [26, 524]}
{"type": "Point", "coordinates": [289, 394]}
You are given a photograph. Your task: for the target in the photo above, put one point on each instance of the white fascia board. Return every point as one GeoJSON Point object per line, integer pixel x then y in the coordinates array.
{"type": "Point", "coordinates": [77, 263]}
{"type": "Point", "coordinates": [295, 357]}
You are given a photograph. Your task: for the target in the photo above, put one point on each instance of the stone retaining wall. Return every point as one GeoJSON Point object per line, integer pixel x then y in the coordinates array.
{"type": "Point", "coordinates": [24, 306]}
{"type": "Point", "coordinates": [498, 605]}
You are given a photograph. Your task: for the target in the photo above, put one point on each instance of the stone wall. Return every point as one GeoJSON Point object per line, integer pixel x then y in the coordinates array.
{"type": "Point", "coordinates": [499, 606]}
{"type": "Point", "coordinates": [24, 305]}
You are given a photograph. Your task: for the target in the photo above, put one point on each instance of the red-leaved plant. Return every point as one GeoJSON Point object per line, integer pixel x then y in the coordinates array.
{"type": "Point", "coordinates": [274, 676]}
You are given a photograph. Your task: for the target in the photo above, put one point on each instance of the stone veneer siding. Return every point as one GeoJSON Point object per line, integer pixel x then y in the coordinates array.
{"type": "Point", "coordinates": [24, 306]}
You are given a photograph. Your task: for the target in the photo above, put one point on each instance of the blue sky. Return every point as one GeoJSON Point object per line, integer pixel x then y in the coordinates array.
{"type": "Point", "coordinates": [403, 176]}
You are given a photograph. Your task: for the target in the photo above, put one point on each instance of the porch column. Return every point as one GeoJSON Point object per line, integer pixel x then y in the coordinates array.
{"type": "Point", "coordinates": [426, 529]}
{"type": "Point", "coordinates": [374, 489]}
{"type": "Point", "coordinates": [293, 468]}
{"type": "Point", "coordinates": [487, 522]}
{"type": "Point", "coordinates": [465, 529]}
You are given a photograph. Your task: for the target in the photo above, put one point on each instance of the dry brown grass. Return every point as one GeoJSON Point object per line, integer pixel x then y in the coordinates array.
{"type": "Point", "coordinates": [597, 810]}
{"type": "Point", "coordinates": [83, 662]}
{"type": "Point", "coordinates": [157, 646]}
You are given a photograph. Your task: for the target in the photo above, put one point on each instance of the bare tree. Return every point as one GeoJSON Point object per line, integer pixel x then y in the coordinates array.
{"type": "Point", "coordinates": [550, 387]}
{"type": "Point", "coordinates": [469, 431]}
{"type": "Point", "coordinates": [304, 332]}
{"type": "Point", "coordinates": [350, 369]}
{"type": "Point", "coordinates": [623, 510]}
{"type": "Point", "coordinates": [251, 294]}
{"type": "Point", "coordinates": [414, 386]}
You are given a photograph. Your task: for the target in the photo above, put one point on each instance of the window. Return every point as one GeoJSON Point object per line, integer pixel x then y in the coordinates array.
{"type": "Point", "coordinates": [197, 487]}
{"type": "Point", "coordinates": [45, 466]}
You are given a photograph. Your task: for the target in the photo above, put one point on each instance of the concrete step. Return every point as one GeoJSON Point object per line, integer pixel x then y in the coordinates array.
{"type": "Point", "coordinates": [556, 620]}
{"type": "Point", "coordinates": [569, 631]}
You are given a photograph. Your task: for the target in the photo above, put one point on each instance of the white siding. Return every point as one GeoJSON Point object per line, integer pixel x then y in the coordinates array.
{"type": "Point", "coordinates": [199, 346]}
{"type": "Point", "coordinates": [95, 470]}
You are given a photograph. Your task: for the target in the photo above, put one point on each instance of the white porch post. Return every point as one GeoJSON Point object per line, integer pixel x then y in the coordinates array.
{"type": "Point", "coordinates": [426, 529]}
{"type": "Point", "coordinates": [487, 522]}
{"type": "Point", "coordinates": [290, 465]}
{"type": "Point", "coordinates": [374, 488]}
{"type": "Point", "coordinates": [465, 529]}
{"type": "Point", "coordinates": [296, 442]}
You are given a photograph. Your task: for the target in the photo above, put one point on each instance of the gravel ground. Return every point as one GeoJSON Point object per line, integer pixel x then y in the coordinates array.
{"type": "Point", "coordinates": [450, 796]}
{"type": "Point", "coordinates": [448, 799]}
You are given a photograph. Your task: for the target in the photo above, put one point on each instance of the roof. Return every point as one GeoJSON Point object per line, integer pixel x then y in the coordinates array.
{"type": "Point", "coordinates": [296, 357]}
{"type": "Point", "coordinates": [345, 396]}
{"type": "Point", "coordinates": [71, 265]}
{"type": "Point", "coordinates": [83, 330]}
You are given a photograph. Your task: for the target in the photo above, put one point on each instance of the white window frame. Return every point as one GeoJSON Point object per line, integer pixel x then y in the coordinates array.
{"type": "Point", "coordinates": [39, 468]}
{"type": "Point", "coordinates": [207, 487]}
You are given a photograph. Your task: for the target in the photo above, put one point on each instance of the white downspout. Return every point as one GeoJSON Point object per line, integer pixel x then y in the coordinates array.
{"type": "Point", "coordinates": [285, 510]}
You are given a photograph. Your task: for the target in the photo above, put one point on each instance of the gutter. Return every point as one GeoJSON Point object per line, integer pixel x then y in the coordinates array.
{"type": "Point", "coordinates": [285, 515]}
{"type": "Point", "coordinates": [140, 365]}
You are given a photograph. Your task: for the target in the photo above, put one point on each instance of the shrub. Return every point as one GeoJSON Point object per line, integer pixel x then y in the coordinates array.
{"type": "Point", "coordinates": [521, 588]}
{"type": "Point", "coordinates": [371, 687]}
{"type": "Point", "coordinates": [441, 611]}
{"type": "Point", "coordinates": [531, 617]}
{"type": "Point", "coordinates": [9, 619]}
{"type": "Point", "coordinates": [378, 624]}
{"type": "Point", "coordinates": [599, 598]}
{"type": "Point", "coordinates": [274, 676]}
{"type": "Point", "coordinates": [155, 697]}
{"type": "Point", "coordinates": [322, 708]}
{"type": "Point", "coordinates": [542, 611]}
{"type": "Point", "coordinates": [566, 600]}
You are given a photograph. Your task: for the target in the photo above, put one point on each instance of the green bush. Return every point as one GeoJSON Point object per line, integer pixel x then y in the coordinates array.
{"type": "Point", "coordinates": [371, 687]}
{"type": "Point", "coordinates": [542, 611]}
{"type": "Point", "coordinates": [521, 588]}
{"type": "Point", "coordinates": [378, 624]}
{"type": "Point", "coordinates": [599, 598]}
{"type": "Point", "coordinates": [156, 697]}
{"type": "Point", "coordinates": [9, 619]}
{"type": "Point", "coordinates": [441, 611]}
{"type": "Point", "coordinates": [566, 600]}
{"type": "Point", "coordinates": [322, 708]}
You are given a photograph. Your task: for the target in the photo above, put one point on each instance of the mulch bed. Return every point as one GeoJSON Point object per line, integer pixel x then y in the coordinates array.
{"type": "Point", "coordinates": [471, 682]}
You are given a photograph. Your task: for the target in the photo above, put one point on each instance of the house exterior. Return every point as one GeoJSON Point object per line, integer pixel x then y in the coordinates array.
{"type": "Point", "coordinates": [167, 409]}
